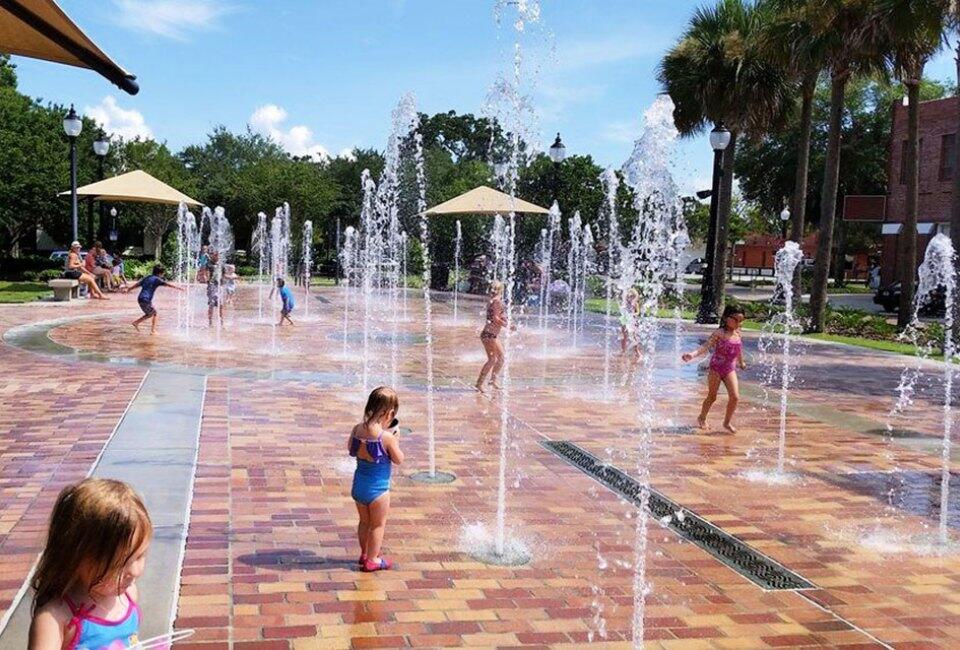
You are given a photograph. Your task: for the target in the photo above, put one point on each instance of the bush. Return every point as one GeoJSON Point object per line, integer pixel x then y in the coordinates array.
{"type": "Point", "coordinates": [246, 271]}
{"type": "Point", "coordinates": [50, 274]}
{"type": "Point", "coordinates": [30, 276]}
{"type": "Point", "coordinates": [14, 268]}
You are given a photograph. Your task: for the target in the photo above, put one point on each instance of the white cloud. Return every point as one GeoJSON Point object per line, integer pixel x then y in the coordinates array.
{"type": "Point", "coordinates": [127, 123]}
{"type": "Point", "coordinates": [170, 18]}
{"type": "Point", "coordinates": [610, 48]}
{"type": "Point", "coordinates": [622, 131]}
{"type": "Point", "coordinates": [297, 140]}
{"type": "Point", "coordinates": [347, 153]}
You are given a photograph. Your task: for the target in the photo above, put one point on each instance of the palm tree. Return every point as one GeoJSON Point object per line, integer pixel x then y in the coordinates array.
{"type": "Point", "coordinates": [791, 40]}
{"type": "Point", "coordinates": [717, 73]}
{"type": "Point", "coordinates": [912, 31]}
{"type": "Point", "coordinates": [848, 33]}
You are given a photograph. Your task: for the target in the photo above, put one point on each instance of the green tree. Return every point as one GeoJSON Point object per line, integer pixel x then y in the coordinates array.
{"type": "Point", "coordinates": [719, 74]}
{"type": "Point", "coordinates": [913, 31]}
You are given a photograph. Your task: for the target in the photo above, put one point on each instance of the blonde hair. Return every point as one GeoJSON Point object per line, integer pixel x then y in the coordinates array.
{"type": "Point", "coordinates": [381, 400]}
{"type": "Point", "coordinates": [95, 528]}
{"type": "Point", "coordinates": [496, 288]}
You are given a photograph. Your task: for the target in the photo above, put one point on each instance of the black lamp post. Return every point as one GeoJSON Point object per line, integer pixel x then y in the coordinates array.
{"type": "Point", "coordinates": [785, 220]}
{"type": "Point", "coordinates": [113, 223]}
{"type": "Point", "coordinates": [719, 140]}
{"type": "Point", "coordinates": [558, 153]}
{"type": "Point", "coordinates": [101, 147]}
{"type": "Point", "coordinates": [72, 125]}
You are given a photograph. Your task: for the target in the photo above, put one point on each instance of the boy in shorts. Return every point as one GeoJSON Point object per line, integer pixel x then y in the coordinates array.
{"type": "Point", "coordinates": [147, 286]}
{"type": "Point", "coordinates": [287, 297]}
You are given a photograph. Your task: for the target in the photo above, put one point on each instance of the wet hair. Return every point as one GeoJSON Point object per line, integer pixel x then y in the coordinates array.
{"type": "Point", "coordinates": [280, 282]}
{"type": "Point", "coordinates": [728, 311]}
{"type": "Point", "coordinates": [158, 269]}
{"type": "Point", "coordinates": [381, 400]}
{"type": "Point", "coordinates": [96, 527]}
{"type": "Point", "coordinates": [98, 244]}
{"type": "Point", "coordinates": [496, 288]}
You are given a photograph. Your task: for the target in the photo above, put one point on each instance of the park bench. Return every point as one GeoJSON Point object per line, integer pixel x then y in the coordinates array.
{"type": "Point", "coordinates": [64, 289]}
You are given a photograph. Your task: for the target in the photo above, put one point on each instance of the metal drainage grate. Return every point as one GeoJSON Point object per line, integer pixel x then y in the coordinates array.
{"type": "Point", "coordinates": [748, 562]}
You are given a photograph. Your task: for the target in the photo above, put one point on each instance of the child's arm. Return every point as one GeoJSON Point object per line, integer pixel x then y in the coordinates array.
{"type": "Point", "coordinates": [134, 285]}
{"type": "Point", "coordinates": [392, 444]}
{"type": "Point", "coordinates": [46, 631]}
{"type": "Point", "coordinates": [172, 286]}
{"type": "Point", "coordinates": [740, 361]}
{"type": "Point", "coordinates": [703, 349]}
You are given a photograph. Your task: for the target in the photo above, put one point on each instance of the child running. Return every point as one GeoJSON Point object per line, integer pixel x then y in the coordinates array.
{"type": "Point", "coordinates": [147, 286]}
{"type": "Point", "coordinates": [286, 296]}
{"type": "Point", "coordinates": [496, 320]}
{"type": "Point", "coordinates": [727, 346]}
{"type": "Point", "coordinates": [85, 591]}
{"type": "Point", "coordinates": [230, 279]}
{"type": "Point", "coordinates": [376, 446]}
{"type": "Point", "coordinates": [214, 303]}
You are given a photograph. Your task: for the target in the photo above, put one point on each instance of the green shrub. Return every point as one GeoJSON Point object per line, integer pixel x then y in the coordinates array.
{"type": "Point", "coordinates": [14, 268]}
{"type": "Point", "coordinates": [246, 271]}
{"type": "Point", "coordinates": [50, 274]}
{"type": "Point", "coordinates": [30, 276]}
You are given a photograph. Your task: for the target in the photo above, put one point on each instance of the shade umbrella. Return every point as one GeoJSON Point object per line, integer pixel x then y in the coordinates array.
{"type": "Point", "coordinates": [136, 186]}
{"type": "Point", "coordinates": [487, 201]}
{"type": "Point", "coordinates": [39, 29]}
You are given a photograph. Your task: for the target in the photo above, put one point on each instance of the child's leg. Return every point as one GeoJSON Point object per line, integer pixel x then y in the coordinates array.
{"type": "Point", "coordinates": [733, 398]}
{"type": "Point", "coordinates": [498, 362]}
{"type": "Point", "coordinates": [377, 524]}
{"type": "Point", "coordinates": [153, 323]}
{"type": "Point", "coordinates": [136, 323]}
{"type": "Point", "coordinates": [491, 359]}
{"type": "Point", "coordinates": [363, 526]}
{"type": "Point", "coordinates": [210, 316]}
{"type": "Point", "coordinates": [623, 340]}
{"type": "Point", "coordinates": [713, 385]}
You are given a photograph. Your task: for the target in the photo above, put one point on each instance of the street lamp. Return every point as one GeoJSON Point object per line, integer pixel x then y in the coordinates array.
{"type": "Point", "coordinates": [72, 125]}
{"type": "Point", "coordinates": [719, 140]}
{"type": "Point", "coordinates": [101, 147]}
{"type": "Point", "coordinates": [113, 223]}
{"type": "Point", "coordinates": [785, 219]}
{"type": "Point", "coordinates": [558, 153]}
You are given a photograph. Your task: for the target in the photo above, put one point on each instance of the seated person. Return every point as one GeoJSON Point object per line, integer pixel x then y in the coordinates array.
{"type": "Point", "coordinates": [74, 269]}
{"type": "Point", "coordinates": [95, 264]}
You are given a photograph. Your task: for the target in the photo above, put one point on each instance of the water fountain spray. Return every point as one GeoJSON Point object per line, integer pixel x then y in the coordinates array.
{"type": "Point", "coordinates": [610, 183]}
{"type": "Point", "coordinates": [307, 265]}
{"type": "Point", "coordinates": [348, 261]}
{"type": "Point", "coordinates": [458, 244]}
{"type": "Point", "coordinates": [260, 243]}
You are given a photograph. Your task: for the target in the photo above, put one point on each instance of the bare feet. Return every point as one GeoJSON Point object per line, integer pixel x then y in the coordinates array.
{"type": "Point", "coordinates": [479, 387]}
{"type": "Point", "coordinates": [136, 326]}
{"type": "Point", "coordinates": [495, 384]}
{"type": "Point", "coordinates": [729, 427]}
{"type": "Point", "coordinates": [702, 422]}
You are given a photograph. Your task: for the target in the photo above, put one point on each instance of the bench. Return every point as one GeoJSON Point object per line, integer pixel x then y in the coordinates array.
{"type": "Point", "coordinates": [64, 289]}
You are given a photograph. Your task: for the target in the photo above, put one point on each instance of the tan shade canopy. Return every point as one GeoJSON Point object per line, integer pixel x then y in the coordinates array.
{"type": "Point", "coordinates": [485, 200]}
{"type": "Point", "coordinates": [137, 186]}
{"type": "Point", "coordinates": [39, 29]}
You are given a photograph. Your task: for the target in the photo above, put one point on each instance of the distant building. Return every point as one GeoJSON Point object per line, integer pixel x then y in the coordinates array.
{"type": "Point", "coordinates": [938, 142]}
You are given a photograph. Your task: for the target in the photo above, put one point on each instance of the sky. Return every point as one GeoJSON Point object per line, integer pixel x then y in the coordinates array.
{"type": "Point", "coordinates": [321, 76]}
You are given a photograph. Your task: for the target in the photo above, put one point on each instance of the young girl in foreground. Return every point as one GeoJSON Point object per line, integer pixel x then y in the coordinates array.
{"type": "Point", "coordinates": [375, 445]}
{"type": "Point", "coordinates": [496, 320]}
{"type": "Point", "coordinates": [85, 583]}
{"type": "Point", "coordinates": [727, 346]}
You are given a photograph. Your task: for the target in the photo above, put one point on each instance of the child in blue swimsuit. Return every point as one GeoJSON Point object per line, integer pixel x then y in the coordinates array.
{"type": "Point", "coordinates": [376, 446]}
{"type": "Point", "coordinates": [85, 582]}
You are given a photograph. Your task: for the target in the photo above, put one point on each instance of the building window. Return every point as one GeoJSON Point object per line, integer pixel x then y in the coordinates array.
{"type": "Point", "coordinates": [948, 154]}
{"type": "Point", "coordinates": [903, 159]}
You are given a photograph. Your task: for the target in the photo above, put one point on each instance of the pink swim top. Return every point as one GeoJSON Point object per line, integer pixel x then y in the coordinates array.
{"type": "Point", "coordinates": [725, 355]}
{"type": "Point", "coordinates": [95, 633]}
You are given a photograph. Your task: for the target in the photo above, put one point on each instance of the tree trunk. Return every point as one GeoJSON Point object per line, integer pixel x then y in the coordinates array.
{"type": "Point", "coordinates": [840, 257]}
{"type": "Point", "coordinates": [908, 234]}
{"type": "Point", "coordinates": [798, 209]}
{"type": "Point", "coordinates": [723, 222]}
{"type": "Point", "coordinates": [828, 203]}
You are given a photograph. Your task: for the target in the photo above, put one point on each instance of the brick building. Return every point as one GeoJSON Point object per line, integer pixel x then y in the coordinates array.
{"type": "Point", "coordinates": [938, 141]}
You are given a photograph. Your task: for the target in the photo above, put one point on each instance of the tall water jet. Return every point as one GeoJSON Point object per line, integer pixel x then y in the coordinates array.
{"type": "Point", "coordinates": [260, 243]}
{"type": "Point", "coordinates": [610, 183]}
{"type": "Point", "coordinates": [404, 243]}
{"type": "Point", "coordinates": [307, 265]}
{"type": "Point", "coordinates": [646, 262]}
{"type": "Point", "coordinates": [457, 245]}
{"type": "Point", "coordinates": [936, 273]}
{"type": "Point", "coordinates": [369, 263]}
{"type": "Point", "coordinates": [348, 261]}
{"type": "Point", "coordinates": [278, 268]}
{"type": "Point", "coordinates": [575, 229]}
{"type": "Point", "coordinates": [188, 248]}
{"type": "Point", "coordinates": [785, 265]}
{"type": "Point", "coordinates": [552, 232]}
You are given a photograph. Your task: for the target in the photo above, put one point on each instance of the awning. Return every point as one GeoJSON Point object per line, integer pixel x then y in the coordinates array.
{"type": "Point", "coordinates": [485, 200]}
{"type": "Point", "coordinates": [137, 186]}
{"type": "Point", "coordinates": [39, 29]}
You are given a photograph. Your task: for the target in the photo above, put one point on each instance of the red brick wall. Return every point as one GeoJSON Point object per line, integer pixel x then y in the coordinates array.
{"type": "Point", "coordinates": [937, 118]}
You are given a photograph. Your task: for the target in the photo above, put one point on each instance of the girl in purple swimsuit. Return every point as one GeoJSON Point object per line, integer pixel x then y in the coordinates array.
{"type": "Point", "coordinates": [727, 346]}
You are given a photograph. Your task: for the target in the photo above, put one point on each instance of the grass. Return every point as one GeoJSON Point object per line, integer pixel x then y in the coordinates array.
{"type": "Point", "coordinates": [20, 292]}
{"type": "Point", "coordinates": [850, 288]}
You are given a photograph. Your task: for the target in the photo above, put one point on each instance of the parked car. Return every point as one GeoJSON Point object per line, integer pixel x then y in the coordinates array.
{"type": "Point", "coordinates": [889, 298]}
{"type": "Point", "coordinates": [696, 266]}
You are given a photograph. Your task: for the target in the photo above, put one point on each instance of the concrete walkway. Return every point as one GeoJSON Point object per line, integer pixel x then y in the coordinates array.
{"type": "Point", "coordinates": [154, 448]}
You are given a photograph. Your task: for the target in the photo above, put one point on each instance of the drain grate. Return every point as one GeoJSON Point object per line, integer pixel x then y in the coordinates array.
{"type": "Point", "coordinates": [748, 562]}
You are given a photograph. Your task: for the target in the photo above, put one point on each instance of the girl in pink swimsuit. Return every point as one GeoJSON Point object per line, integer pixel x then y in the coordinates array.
{"type": "Point", "coordinates": [727, 346]}
{"type": "Point", "coordinates": [85, 583]}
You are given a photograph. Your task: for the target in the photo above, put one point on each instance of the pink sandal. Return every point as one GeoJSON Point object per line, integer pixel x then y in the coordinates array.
{"type": "Point", "coordinates": [363, 560]}
{"type": "Point", "coordinates": [381, 564]}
